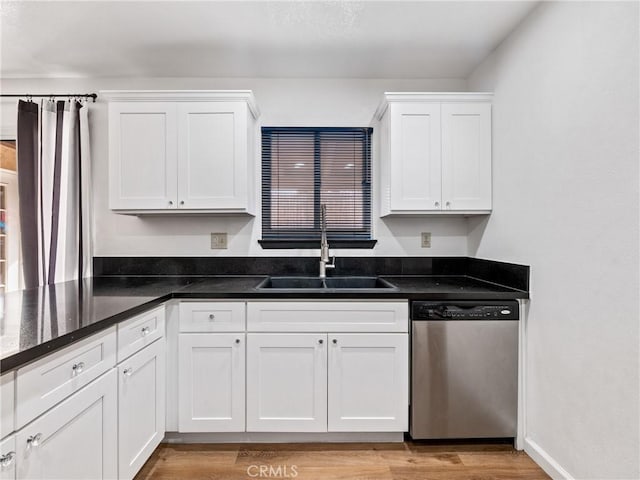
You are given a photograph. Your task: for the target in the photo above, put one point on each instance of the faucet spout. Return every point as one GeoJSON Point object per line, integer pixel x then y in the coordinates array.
{"type": "Point", "coordinates": [324, 244]}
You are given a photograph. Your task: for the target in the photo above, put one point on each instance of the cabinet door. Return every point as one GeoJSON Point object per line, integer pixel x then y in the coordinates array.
{"type": "Point", "coordinates": [142, 155]}
{"type": "Point", "coordinates": [8, 458]}
{"type": "Point", "coordinates": [141, 407]}
{"type": "Point", "coordinates": [415, 157]}
{"type": "Point", "coordinates": [466, 156]}
{"type": "Point", "coordinates": [212, 151]}
{"type": "Point", "coordinates": [286, 382]}
{"type": "Point", "coordinates": [7, 403]}
{"type": "Point", "coordinates": [211, 372]}
{"type": "Point", "coordinates": [368, 382]}
{"type": "Point", "coordinates": [76, 439]}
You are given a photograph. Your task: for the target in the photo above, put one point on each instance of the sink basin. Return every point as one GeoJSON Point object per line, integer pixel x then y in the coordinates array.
{"type": "Point", "coordinates": [330, 283]}
{"type": "Point", "coordinates": [357, 282]}
{"type": "Point", "coordinates": [292, 282]}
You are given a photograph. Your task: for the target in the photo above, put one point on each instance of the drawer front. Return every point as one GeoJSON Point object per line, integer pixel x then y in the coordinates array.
{"type": "Point", "coordinates": [7, 397]}
{"type": "Point", "coordinates": [46, 382]}
{"type": "Point", "coordinates": [212, 316]}
{"type": "Point", "coordinates": [347, 316]}
{"type": "Point", "coordinates": [140, 331]}
{"type": "Point", "coordinates": [8, 458]}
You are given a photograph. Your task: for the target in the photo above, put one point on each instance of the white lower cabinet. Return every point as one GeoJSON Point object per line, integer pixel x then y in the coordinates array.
{"type": "Point", "coordinates": [8, 458]}
{"type": "Point", "coordinates": [211, 372]}
{"type": "Point", "coordinates": [328, 381]}
{"type": "Point", "coordinates": [77, 439]}
{"type": "Point", "coordinates": [141, 407]}
{"type": "Point", "coordinates": [286, 382]}
{"type": "Point", "coordinates": [368, 382]}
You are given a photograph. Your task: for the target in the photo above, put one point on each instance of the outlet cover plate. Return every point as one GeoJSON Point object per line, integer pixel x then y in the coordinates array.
{"type": "Point", "coordinates": [218, 241]}
{"type": "Point", "coordinates": [426, 239]}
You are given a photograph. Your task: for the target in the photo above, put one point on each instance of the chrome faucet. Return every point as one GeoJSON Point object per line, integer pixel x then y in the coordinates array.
{"type": "Point", "coordinates": [324, 244]}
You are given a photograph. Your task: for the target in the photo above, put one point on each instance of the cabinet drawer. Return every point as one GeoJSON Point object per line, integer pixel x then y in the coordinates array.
{"type": "Point", "coordinates": [140, 331]}
{"type": "Point", "coordinates": [7, 397]}
{"type": "Point", "coordinates": [212, 316]}
{"type": "Point", "coordinates": [44, 383]}
{"type": "Point", "coordinates": [8, 458]}
{"type": "Point", "coordinates": [347, 316]}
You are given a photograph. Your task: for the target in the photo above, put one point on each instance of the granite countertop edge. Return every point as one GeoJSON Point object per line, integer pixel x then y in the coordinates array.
{"type": "Point", "coordinates": [197, 289]}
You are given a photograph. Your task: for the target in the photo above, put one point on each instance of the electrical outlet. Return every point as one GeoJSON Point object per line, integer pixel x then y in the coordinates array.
{"type": "Point", "coordinates": [218, 240]}
{"type": "Point", "coordinates": [426, 239]}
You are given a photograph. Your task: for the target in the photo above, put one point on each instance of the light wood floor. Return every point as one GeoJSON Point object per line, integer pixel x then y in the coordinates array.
{"type": "Point", "coordinates": [344, 461]}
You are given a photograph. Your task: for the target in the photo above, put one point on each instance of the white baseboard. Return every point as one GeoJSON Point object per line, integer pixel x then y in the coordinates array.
{"type": "Point", "coordinates": [268, 437]}
{"type": "Point", "coordinates": [545, 461]}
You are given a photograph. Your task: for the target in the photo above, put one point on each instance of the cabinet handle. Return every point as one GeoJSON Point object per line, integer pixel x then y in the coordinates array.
{"type": "Point", "coordinates": [335, 341]}
{"type": "Point", "coordinates": [320, 341]}
{"type": "Point", "coordinates": [145, 331]}
{"type": "Point", "coordinates": [237, 340]}
{"type": "Point", "coordinates": [448, 204]}
{"type": "Point", "coordinates": [77, 368]}
{"type": "Point", "coordinates": [437, 204]}
{"type": "Point", "coordinates": [34, 440]}
{"type": "Point", "coordinates": [7, 459]}
{"type": "Point", "coordinates": [211, 316]}
{"type": "Point", "coordinates": [170, 202]}
{"type": "Point", "coordinates": [181, 202]}
{"type": "Point", "coordinates": [127, 372]}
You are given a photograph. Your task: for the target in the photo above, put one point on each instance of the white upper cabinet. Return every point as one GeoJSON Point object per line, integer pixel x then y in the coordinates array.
{"type": "Point", "coordinates": [466, 156]}
{"type": "Point", "coordinates": [415, 149]}
{"type": "Point", "coordinates": [142, 155]}
{"type": "Point", "coordinates": [213, 140]}
{"type": "Point", "coordinates": [182, 151]}
{"type": "Point", "coordinates": [435, 153]}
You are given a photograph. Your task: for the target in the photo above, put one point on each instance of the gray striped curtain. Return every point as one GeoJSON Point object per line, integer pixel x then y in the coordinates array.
{"type": "Point", "coordinates": [54, 181]}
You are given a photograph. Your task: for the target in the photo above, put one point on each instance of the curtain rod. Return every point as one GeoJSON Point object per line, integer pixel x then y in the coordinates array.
{"type": "Point", "coordinates": [93, 96]}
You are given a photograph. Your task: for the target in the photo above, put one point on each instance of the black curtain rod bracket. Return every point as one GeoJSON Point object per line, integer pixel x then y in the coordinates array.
{"type": "Point", "coordinates": [29, 96]}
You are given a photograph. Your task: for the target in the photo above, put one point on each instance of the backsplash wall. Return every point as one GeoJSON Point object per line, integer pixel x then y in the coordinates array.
{"type": "Point", "coordinates": [283, 102]}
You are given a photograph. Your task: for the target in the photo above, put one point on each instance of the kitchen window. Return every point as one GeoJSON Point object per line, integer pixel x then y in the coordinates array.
{"type": "Point", "coordinates": [304, 167]}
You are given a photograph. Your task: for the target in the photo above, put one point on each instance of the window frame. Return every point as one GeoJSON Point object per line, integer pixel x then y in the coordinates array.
{"type": "Point", "coordinates": [336, 240]}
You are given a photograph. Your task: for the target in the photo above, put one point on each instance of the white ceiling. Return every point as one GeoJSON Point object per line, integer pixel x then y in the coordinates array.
{"type": "Point", "coordinates": [356, 39]}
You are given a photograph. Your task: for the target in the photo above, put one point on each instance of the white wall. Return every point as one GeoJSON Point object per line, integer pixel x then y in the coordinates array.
{"type": "Point", "coordinates": [283, 102]}
{"type": "Point", "coordinates": [565, 152]}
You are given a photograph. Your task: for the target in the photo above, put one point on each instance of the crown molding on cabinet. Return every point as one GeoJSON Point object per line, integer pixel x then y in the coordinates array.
{"type": "Point", "coordinates": [183, 96]}
{"type": "Point", "coordinates": [417, 97]}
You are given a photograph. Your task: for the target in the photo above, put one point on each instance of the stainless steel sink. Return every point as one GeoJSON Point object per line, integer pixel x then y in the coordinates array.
{"type": "Point", "coordinates": [330, 283]}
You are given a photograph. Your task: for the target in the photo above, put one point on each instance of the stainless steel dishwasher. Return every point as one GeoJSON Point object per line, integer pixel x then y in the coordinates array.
{"type": "Point", "coordinates": [464, 369]}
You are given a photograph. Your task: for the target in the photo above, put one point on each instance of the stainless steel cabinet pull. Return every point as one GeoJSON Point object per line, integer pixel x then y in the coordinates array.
{"type": "Point", "coordinates": [127, 372]}
{"type": "Point", "coordinates": [211, 316]}
{"type": "Point", "coordinates": [145, 331]}
{"type": "Point", "coordinates": [34, 440]}
{"type": "Point", "coordinates": [7, 459]}
{"type": "Point", "coordinates": [77, 368]}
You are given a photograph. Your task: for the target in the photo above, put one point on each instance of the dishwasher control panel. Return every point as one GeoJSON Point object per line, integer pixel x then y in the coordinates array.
{"type": "Point", "coordinates": [464, 310]}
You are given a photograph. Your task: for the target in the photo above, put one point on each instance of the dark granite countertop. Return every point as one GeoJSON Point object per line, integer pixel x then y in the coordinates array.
{"type": "Point", "coordinates": [39, 321]}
